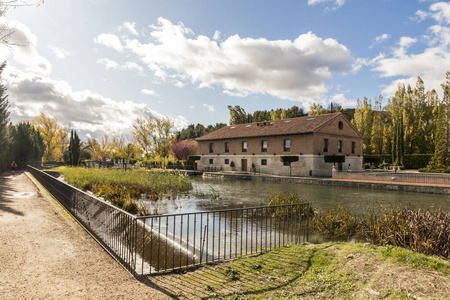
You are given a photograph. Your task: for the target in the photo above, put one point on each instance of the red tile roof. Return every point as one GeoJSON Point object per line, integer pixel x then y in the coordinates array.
{"type": "Point", "coordinates": [307, 124]}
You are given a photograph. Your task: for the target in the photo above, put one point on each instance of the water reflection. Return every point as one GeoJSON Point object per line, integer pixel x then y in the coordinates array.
{"type": "Point", "coordinates": [236, 194]}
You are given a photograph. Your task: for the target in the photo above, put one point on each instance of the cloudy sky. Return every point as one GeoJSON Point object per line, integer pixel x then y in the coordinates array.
{"type": "Point", "coordinates": [97, 65]}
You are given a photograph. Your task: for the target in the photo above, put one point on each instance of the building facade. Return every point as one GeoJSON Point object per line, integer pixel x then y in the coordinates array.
{"type": "Point", "coordinates": [259, 146]}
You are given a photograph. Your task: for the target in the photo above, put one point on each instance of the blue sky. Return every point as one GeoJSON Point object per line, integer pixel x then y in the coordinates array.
{"type": "Point", "coordinates": [97, 65]}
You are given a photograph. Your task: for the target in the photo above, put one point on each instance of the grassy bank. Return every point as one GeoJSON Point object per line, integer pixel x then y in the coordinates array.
{"type": "Point", "coordinates": [326, 271]}
{"type": "Point", "coordinates": [123, 187]}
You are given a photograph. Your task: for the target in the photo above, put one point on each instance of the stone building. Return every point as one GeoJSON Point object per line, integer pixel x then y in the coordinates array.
{"type": "Point", "coordinates": [319, 142]}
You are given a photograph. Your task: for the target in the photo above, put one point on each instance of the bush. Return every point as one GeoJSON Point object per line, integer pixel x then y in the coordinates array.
{"type": "Point", "coordinates": [416, 161]}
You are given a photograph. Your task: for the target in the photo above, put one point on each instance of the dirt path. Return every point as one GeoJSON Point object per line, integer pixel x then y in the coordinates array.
{"type": "Point", "coordinates": [45, 254]}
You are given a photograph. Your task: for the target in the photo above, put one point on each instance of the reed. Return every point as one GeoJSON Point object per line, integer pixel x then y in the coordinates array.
{"type": "Point", "coordinates": [123, 187]}
{"type": "Point", "coordinates": [421, 231]}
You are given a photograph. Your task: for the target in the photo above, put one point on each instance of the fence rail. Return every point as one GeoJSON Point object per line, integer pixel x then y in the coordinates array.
{"type": "Point", "coordinates": [160, 243]}
{"type": "Point", "coordinates": [397, 177]}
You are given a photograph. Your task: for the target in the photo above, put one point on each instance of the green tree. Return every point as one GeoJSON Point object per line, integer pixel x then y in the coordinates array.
{"type": "Point", "coordinates": [28, 145]}
{"type": "Point", "coordinates": [4, 121]}
{"type": "Point", "coordinates": [440, 161]}
{"type": "Point", "coordinates": [74, 148]}
{"type": "Point", "coordinates": [238, 115]}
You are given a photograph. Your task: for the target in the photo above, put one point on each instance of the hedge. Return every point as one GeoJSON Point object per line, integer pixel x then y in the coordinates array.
{"type": "Point", "coordinates": [410, 161]}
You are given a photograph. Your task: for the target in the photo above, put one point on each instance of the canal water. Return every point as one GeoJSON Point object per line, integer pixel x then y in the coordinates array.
{"type": "Point", "coordinates": [214, 194]}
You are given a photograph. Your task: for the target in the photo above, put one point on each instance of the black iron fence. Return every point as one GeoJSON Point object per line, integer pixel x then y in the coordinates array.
{"type": "Point", "coordinates": [161, 243]}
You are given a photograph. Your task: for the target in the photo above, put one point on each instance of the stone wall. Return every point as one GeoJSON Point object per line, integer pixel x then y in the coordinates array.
{"type": "Point", "coordinates": [389, 176]}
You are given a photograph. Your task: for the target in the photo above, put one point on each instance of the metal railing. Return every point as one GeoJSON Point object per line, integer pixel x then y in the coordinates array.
{"type": "Point", "coordinates": [160, 243]}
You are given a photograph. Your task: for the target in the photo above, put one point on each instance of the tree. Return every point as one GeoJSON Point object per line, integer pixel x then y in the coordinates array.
{"type": "Point", "coordinates": [74, 149]}
{"type": "Point", "coordinates": [316, 109]}
{"type": "Point", "coordinates": [142, 134]}
{"type": "Point", "coordinates": [28, 145]}
{"type": "Point", "coordinates": [363, 120]}
{"type": "Point", "coordinates": [238, 115]}
{"type": "Point", "coordinates": [153, 135]}
{"type": "Point", "coordinates": [440, 161]}
{"type": "Point", "coordinates": [54, 135]}
{"type": "Point", "coordinates": [4, 120]}
{"type": "Point", "coordinates": [181, 149]}
{"type": "Point", "coordinates": [100, 150]}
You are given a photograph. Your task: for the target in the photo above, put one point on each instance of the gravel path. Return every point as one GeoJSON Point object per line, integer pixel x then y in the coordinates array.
{"type": "Point", "coordinates": [45, 254]}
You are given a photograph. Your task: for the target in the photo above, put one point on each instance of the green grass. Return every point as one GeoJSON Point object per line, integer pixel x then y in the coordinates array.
{"type": "Point", "coordinates": [326, 271]}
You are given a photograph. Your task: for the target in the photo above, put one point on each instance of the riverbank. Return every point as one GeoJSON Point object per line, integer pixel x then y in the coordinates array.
{"type": "Point", "coordinates": [324, 271]}
{"type": "Point", "coordinates": [353, 183]}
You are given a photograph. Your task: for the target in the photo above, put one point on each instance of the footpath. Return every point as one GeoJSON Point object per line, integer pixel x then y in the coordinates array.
{"type": "Point", "coordinates": [45, 254]}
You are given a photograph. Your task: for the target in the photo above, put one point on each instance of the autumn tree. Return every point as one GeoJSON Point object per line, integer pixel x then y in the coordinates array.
{"type": "Point", "coordinates": [101, 148]}
{"type": "Point", "coordinates": [316, 109]}
{"type": "Point", "coordinates": [181, 149]}
{"type": "Point", "coordinates": [153, 135]}
{"type": "Point", "coordinates": [363, 120]}
{"type": "Point", "coordinates": [55, 136]}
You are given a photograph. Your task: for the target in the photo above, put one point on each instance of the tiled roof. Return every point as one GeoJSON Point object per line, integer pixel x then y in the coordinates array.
{"type": "Point", "coordinates": [307, 124]}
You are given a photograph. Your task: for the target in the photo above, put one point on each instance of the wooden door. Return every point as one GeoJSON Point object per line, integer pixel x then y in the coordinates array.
{"type": "Point", "coordinates": [244, 165]}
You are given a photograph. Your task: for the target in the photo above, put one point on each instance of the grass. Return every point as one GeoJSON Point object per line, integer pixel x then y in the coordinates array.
{"type": "Point", "coordinates": [327, 271]}
{"type": "Point", "coordinates": [123, 187]}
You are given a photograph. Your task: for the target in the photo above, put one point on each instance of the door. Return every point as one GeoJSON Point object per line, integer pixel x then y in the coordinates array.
{"type": "Point", "coordinates": [339, 167]}
{"type": "Point", "coordinates": [244, 165]}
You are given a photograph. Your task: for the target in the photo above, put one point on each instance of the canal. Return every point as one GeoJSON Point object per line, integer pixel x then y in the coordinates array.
{"type": "Point", "coordinates": [213, 194]}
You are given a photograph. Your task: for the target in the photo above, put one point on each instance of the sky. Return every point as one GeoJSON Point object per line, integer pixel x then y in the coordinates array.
{"type": "Point", "coordinates": [97, 65]}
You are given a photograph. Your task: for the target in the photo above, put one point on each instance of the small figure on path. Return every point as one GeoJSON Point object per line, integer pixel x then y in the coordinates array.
{"type": "Point", "coordinates": [13, 167]}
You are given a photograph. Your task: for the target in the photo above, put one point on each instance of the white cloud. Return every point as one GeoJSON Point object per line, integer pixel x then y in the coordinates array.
{"type": "Point", "coordinates": [59, 52]}
{"type": "Point", "coordinates": [149, 92]}
{"type": "Point", "coordinates": [431, 64]}
{"type": "Point", "coordinates": [209, 107]}
{"type": "Point", "coordinates": [179, 84]}
{"type": "Point", "coordinates": [336, 3]}
{"type": "Point", "coordinates": [191, 106]}
{"type": "Point", "coordinates": [379, 39]}
{"type": "Point", "coordinates": [32, 91]}
{"type": "Point", "coordinates": [23, 48]}
{"type": "Point", "coordinates": [342, 100]}
{"type": "Point", "coordinates": [216, 35]}
{"type": "Point", "coordinates": [127, 66]}
{"type": "Point", "coordinates": [131, 27]}
{"type": "Point", "coordinates": [295, 70]}
{"type": "Point", "coordinates": [109, 40]}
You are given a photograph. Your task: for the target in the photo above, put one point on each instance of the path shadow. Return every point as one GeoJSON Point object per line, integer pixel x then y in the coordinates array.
{"type": "Point", "coordinates": [7, 185]}
{"type": "Point", "coordinates": [210, 281]}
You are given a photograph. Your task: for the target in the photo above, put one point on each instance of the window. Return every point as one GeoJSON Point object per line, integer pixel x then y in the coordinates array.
{"type": "Point", "coordinates": [325, 145]}
{"type": "Point", "coordinates": [263, 146]}
{"type": "Point", "coordinates": [227, 161]}
{"type": "Point", "coordinates": [353, 147]}
{"type": "Point", "coordinates": [340, 146]}
{"type": "Point", "coordinates": [287, 145]}
{"type": "Point", "coordinates": [244, 146]}
{"type": "Point", "coordinates": [211, 147]}
{"type": "Point", "coordinates": [211, 161]}
{"type": "Point", "coordinates": [263, 162]}
{"type": "Point", "coordinates": [341, 125]}
{"type": "Point", "coordinates": [227, 147]}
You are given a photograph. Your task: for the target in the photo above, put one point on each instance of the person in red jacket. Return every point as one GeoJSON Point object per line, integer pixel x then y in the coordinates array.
{"type": "Point", "coordinates": [13, 166]}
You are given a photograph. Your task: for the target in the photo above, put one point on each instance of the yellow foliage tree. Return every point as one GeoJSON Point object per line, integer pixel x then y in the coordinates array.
{"type": "Point", "coordinates": [55, 136]}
